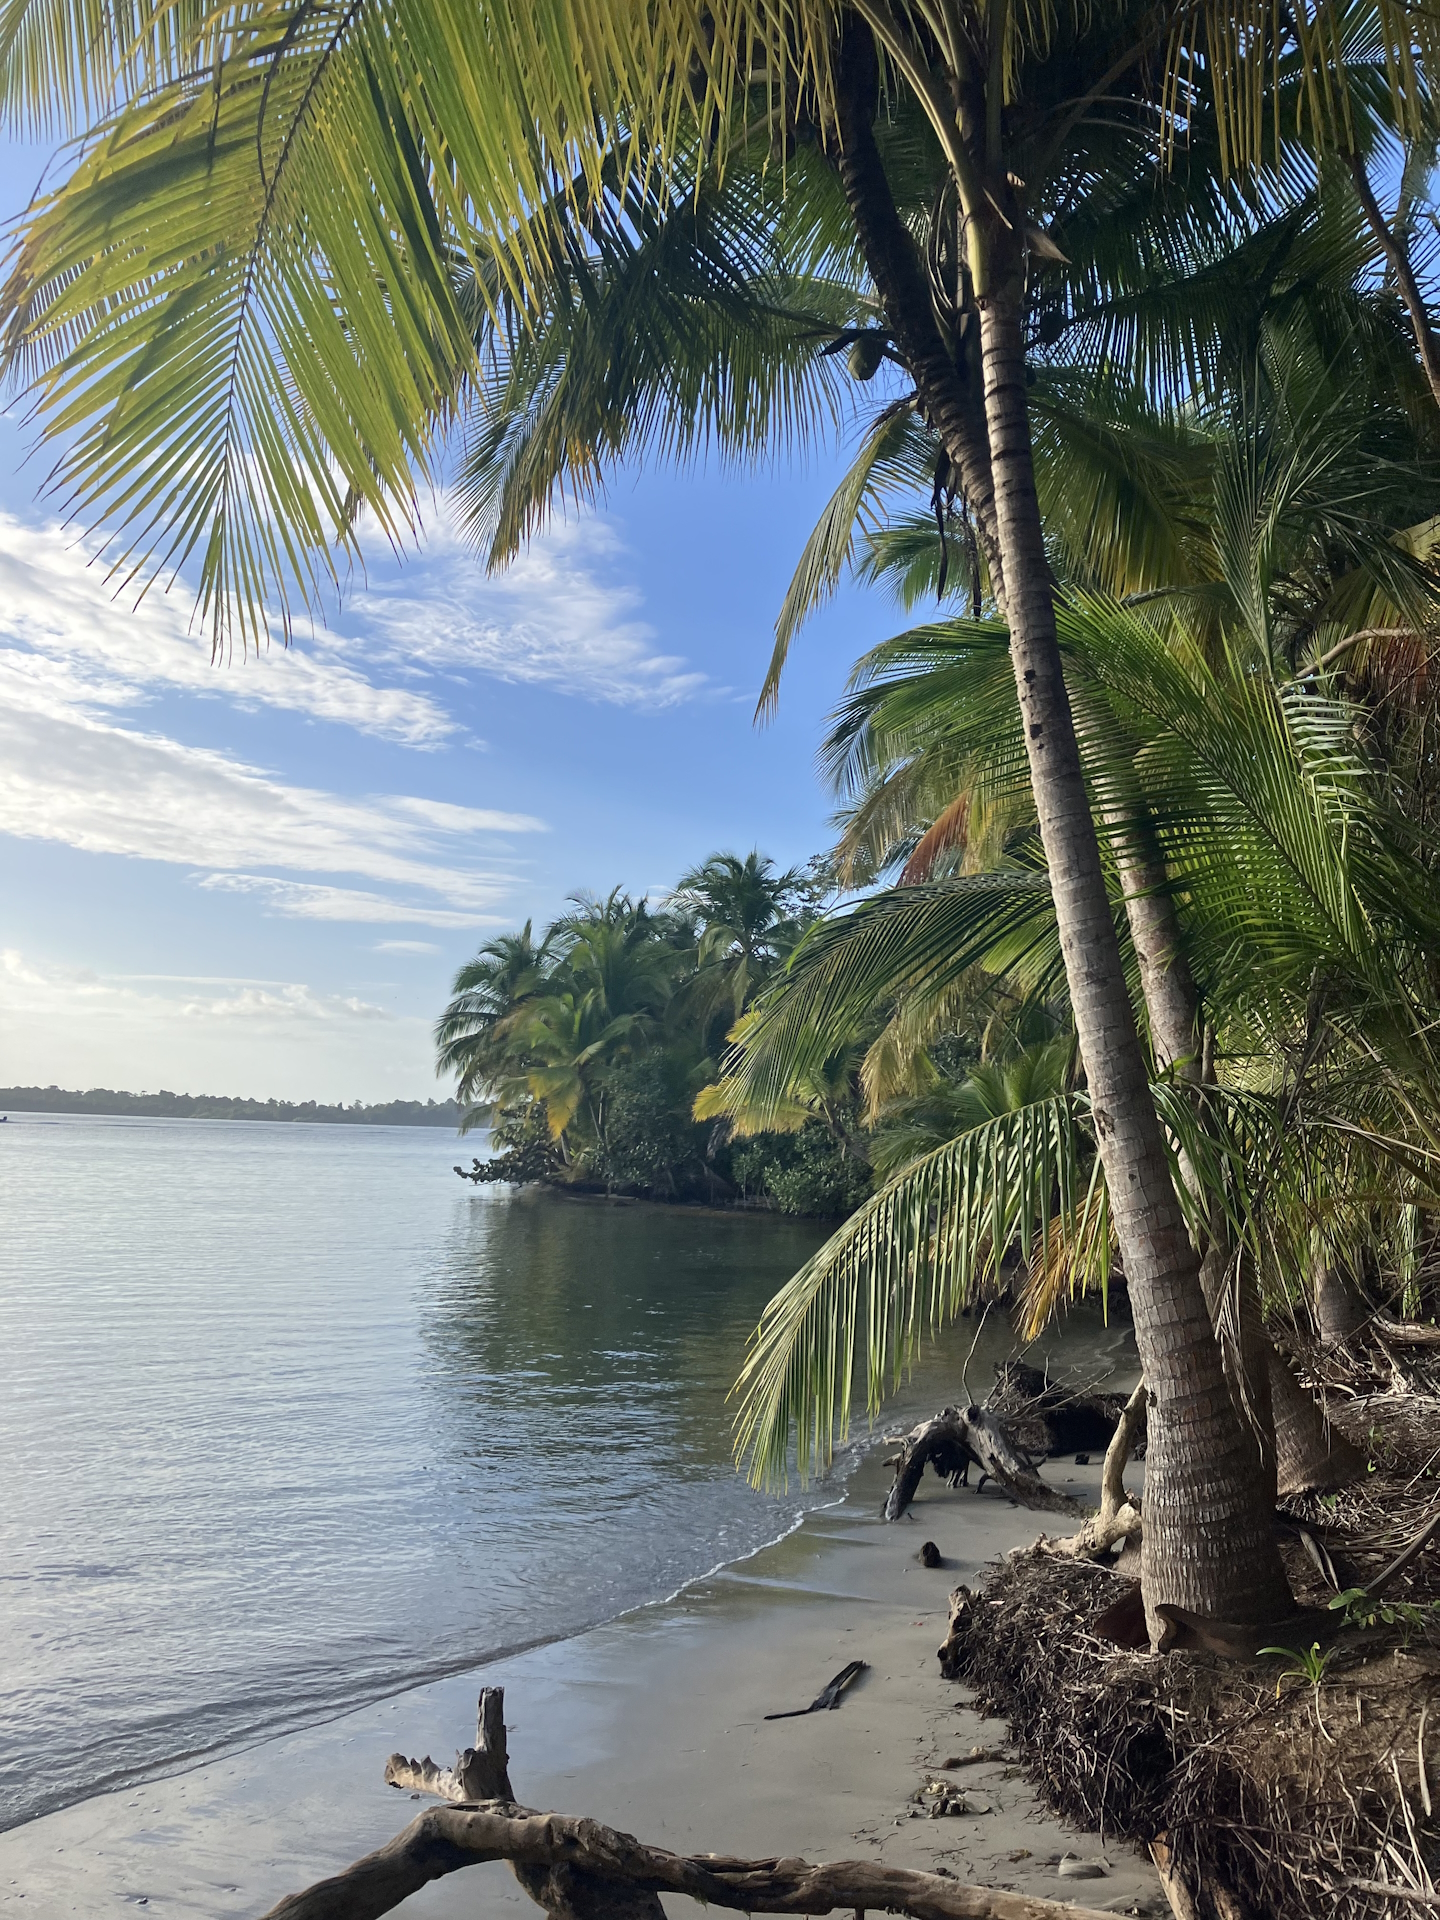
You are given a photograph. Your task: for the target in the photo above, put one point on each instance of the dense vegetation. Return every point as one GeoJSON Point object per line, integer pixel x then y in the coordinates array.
{"type": "Point", "coordinates": [587, 1049]}
{"type": "Point", "coordinates": [214, 1106]}
{"type": "Point", "coordinates": [1149, 805]}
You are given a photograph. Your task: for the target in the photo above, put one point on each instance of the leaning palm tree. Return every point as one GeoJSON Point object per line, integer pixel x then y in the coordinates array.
{"type": "Point", "coordinates": [252, 308]}
{"type": "Point", "coordinates": [1304, 895]}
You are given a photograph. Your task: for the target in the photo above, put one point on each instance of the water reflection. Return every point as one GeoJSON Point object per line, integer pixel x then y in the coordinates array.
{"type": "Point", "coordinates": [289, 1419]}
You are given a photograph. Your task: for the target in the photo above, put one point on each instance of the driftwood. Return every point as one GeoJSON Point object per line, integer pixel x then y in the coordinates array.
{"type": "Point", "coordinates": [445, 1839]}
{"type": "Point", "coordinates": [958, 1438]}
{"type": "Point", "coordinates": [1048, 1417]}
{"type": "Point", "coordinates": [950, 1650]}
{"type": "Point", "coordinates": [830, 1695]}
{"type": "Point", "coordinates": [567, 1890]}
{"type": "Point", "coordinates": [1119, 1515]}
{"type": "Point", "coordinates": [577, 1869]}
{"type": "Point", "coordinates": [977, 1757]}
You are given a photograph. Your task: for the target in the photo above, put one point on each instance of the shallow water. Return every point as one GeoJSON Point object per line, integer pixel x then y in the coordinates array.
{"type": "Point", "coordinates": [291, 1418]}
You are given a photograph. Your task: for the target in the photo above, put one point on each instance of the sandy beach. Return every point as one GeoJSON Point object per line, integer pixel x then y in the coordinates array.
{"type": "Point", "coordinates": [652, 1723]}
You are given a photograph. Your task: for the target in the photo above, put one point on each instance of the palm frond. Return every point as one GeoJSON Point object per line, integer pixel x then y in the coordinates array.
{"type": "Point", "coordinates": [926, 1245]}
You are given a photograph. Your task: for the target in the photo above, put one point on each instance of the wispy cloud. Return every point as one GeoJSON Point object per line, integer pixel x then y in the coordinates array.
{"type": "Point", "coordinates": [73, 637]}
{"type": "Point", "coordinates": [405, 946]}
{"type": "Point", "coordinates": [67, 777]}
{"type": "Point", "coordinates": [561, 615]}
{"type": "Point", "coordinates": [71, 1026]}
{"type": "Point", "coordinates": [300, 900]}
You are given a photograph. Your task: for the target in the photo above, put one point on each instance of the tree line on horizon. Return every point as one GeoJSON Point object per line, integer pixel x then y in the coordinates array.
{"type": "Point", "coordinates": [1146, 385]}
{"type": "Point", "coordinates": [165, 1105]}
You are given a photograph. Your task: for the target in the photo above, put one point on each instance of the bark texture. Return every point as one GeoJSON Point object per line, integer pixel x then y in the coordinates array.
{"type": "Point", "coordinates": [1209, 1539]}
{"type": "Point", "coordinates": [950, 392]}
{"type": "Point", "coordinates": [555, 1848]}
{"type": "Point", "coordinates": [1309, 1454]}
{"type": "Point", "coordinates": [1338, 1313]}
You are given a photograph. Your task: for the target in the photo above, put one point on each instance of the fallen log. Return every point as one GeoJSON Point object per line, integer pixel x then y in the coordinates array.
{"type": "Point", "coordinates": [1060, 1419]}
{"type": "Point", "coordinates": [445, 1839]}
{"type": "Point", "coordinates": [960, 1437]}
{"type": "Point", "coordinates": [1406, 1333]}
{"type": "Point", "coordinates": [577, 1869]}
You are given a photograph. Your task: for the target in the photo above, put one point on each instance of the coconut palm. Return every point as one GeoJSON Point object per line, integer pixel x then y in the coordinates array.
{"type": "Point", "coordinates": [487, 990]}
{"type": "Point", "coordinates": [1301, 899]}
{"type": "Point", "coordinates": [748, 916]}
{"type": "Point", "coordinates": [252, 310]}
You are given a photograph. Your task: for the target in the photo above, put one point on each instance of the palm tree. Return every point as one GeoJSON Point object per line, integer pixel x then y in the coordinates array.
{"type": "Point", "coordinates": [469, 1035]}
{"type": "Point", "coordinates": [749, 917]}
{"type": "Point", "coordinates": [252, 309]}
{"type": "Point", "coordinates": [1281, 843]}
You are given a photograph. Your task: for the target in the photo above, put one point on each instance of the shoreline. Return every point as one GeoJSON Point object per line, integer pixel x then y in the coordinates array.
{"type": "Point", "coordinates": [653, 1723]}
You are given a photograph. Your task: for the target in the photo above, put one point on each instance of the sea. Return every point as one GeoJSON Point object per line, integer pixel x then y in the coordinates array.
{"type": "Point", "coordinates": [292, 1418]}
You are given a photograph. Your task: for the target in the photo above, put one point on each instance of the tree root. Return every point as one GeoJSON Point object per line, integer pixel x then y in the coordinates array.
{"type": "Point", "coordinates": [577, 1869]}
{"type": "Point", "coordinates": [1119, 1515]}
{"type": "Point", "coordinates": [957, 1439]}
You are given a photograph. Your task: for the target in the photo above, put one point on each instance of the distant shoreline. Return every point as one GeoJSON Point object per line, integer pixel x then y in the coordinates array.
{"type": "Point", "coordinates": [210, 1106]}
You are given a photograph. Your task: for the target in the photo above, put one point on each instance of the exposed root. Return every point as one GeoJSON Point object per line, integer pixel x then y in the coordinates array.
{"type": "Point", "coordinates": [1251, 1805]}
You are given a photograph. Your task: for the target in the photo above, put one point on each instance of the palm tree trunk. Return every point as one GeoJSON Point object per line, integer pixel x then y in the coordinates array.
{"type": "Point", "coordinates": [1337, 1312]}
{"type": "Point", "coordinates": [1309, 1454]}
{"type": "Point", "coordinates": [1392, 244]}
{"type": "Point", "coordinates": [1298, 1447]}
{"type": "Point", "coordinates": [1209, 1535]}
{"type": "Point", "coordinates": [950, 397]}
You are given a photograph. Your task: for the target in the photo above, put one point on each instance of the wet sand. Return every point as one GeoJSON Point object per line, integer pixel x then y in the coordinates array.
{"type": "Point", "coordinates": [654, 1724]}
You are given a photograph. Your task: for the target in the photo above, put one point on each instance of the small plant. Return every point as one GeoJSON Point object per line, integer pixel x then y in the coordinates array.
{"type": "Point", "coordinates": [1361, 1610]}
{"type": "Point", "coordinates": [1308, 1666]}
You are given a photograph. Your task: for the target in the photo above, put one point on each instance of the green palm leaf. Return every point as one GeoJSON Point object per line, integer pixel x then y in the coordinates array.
{"type": "Point", "coordinates": [926, 1245]}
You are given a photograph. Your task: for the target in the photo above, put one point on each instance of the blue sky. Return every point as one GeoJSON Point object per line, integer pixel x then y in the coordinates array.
{"type": "Point", "coordinates": [259, 878]}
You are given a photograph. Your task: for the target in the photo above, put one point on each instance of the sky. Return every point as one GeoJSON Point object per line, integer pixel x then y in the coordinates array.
{"type": "Point", "coordinates": [258, 878]}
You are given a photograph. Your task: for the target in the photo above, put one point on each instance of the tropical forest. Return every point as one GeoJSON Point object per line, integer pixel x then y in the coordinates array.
{"type": "Point", "coordinates": [1117, 987]}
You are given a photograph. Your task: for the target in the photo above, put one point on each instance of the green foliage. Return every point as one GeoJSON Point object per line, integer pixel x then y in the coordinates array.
{"type": "Point", "coordinates": [808, 1172]}
{"type": "Point", "coordinates": [1308, 1664]}
{"type": "Point", "coordinates": [1360, 1610]}
{"type": "Point", "coordinates": [584, 1049]}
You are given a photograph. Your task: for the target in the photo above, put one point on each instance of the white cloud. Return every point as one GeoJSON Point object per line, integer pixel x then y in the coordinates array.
{"type": "Point", "coordinates": [405, 946]}
{"type": "Point", "coordinates": [71, 777]}
{"type": "Point", "coordinates": [301, 900]}
{"type": "Point", "coordinates": [95, 648]}
{"type": "Point", "coordinates": [556, 617]}
{"type": "Point", "coordinates": [69, 1026]}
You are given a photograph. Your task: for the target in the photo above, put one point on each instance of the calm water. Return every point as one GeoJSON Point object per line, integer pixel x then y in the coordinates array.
{"type": "Point", "coordinates": [290, 1418]}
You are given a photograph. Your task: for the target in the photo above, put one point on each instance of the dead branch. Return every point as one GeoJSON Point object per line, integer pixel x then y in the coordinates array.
{"type": "Point", "coordinates": [1119, 1515]}
{"type": "Point", "coordinates": [957, 1438]}
{"type": "Point", "coordinates": [445, 1839]}
{"type": "Point", "coordinates": [1403, 1559]}
{"type": "Point", "coordinates": [1406, 1333]}
{"type": "Point", "coordinates": [1177, 1891]}
{"type": "Point", "coordinates": [481, 1772]}
{"type": "Point", "coordinates": [577, 1869]}
{"type": "Point", "coordinates": [951, 1649]}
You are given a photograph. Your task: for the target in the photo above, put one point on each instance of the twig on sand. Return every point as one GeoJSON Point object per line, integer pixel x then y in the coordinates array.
{"type": "Point", "coordinates": [830, 1695]}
